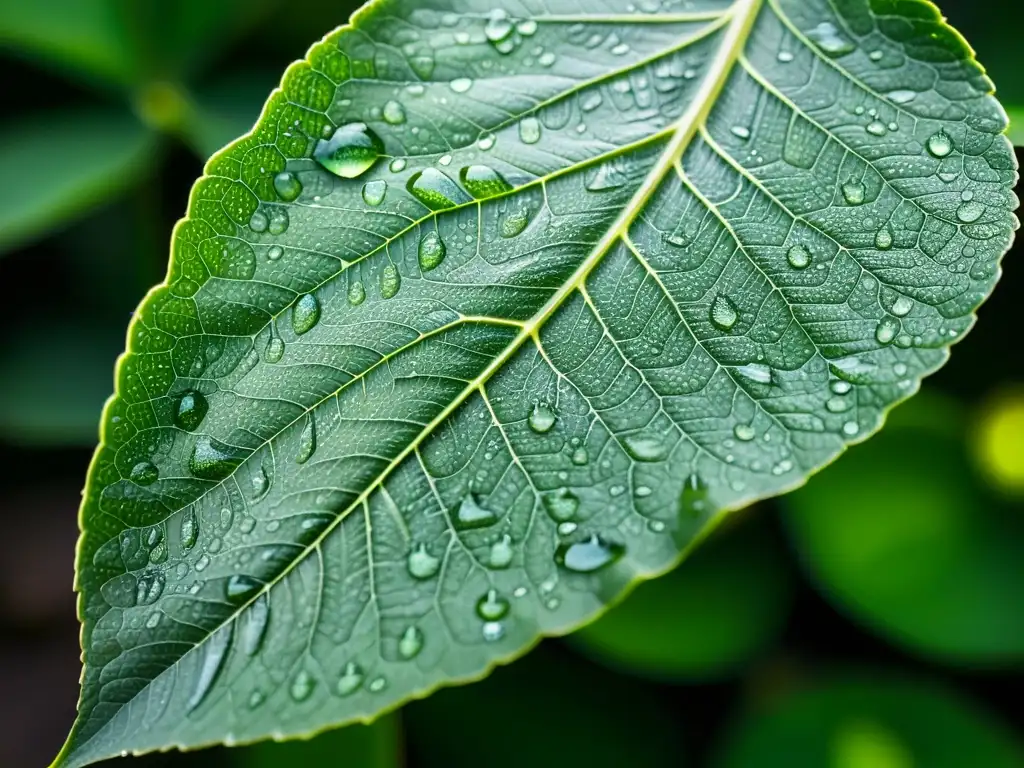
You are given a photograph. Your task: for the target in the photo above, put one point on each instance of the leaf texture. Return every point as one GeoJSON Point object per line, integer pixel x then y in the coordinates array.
{"type": "Point", "coordinates": [617, 271]}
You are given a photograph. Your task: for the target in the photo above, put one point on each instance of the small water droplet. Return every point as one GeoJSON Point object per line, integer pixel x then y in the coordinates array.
{"type": "Point", "coordinates": [876, 128]}
{"type": "Point", "coordinates": [259, 222]}
{"type": "Point", "coordinates": [514, 223]}
{"type": "Point", "coordinates": [744, 432]}
{"type": "Point", "coordinates": [434, 189]}
{"type": "Point", "coordinates": [350, 152]}
{"type": "Point", "coordinates": [542, 418]}
{"type": "Point", "coordinates": [486, 141]}
{"type": "Point", "coordinates": [287, 186]}
{"type": "Point", "coordinates": [588, 556]}
{"type": "Point", "coordinates": [460, 84]}
{"type": "Point", "coordinates": [492, 606]}
{"type": "Point", "coordinates": [851, 428]}
{"type": "Point", "coordinates": [378, 684]}
{"type": "Point", "coordinates": [254, 625]}
{"type": "Point", "coordinates": [499, 26]}
{"type": "Point", "coordinates": [356, 294]}
{"type": "Point", "coordinates": [854, 192]}
{"type": "Point", "coordinates": [838, 405]}
{"type": "Point", "coordinates": [580, 456]}
{"type": "Point", "coordinates": [693, 501]}
{"type": "Point", "coordinates": [482, 181]}
{"type": "Point", "coordinates": [214, 651]}
{"type": "Point", "coordinates": [275, 252]}
{"type": "Point", "coordinates": [397, 165]}
{"type": "Point", "coordinates": [493, 631]}
{"type": "Point", "coordinates": [645, 447]}
{"type": "Point", "coordinates": [785, 56]}
{"type": "Point", "coordinates": [829, 39]}
{"type": "Point", "coordinates": [278, 220]}
{"type": "Point", "coordinates": [375, 191]}
{"type": "Point", "coordinates": [970, 211]}
{"type": "Point", "coordinates": [561, 505]}
{"type": "Point", "coordinates": [305, 313]}
{"type": "Point", "coordinates": [432, 251]}
{"type": "Point", "coordinates": [529, 130]}
{"type": "Point", "coordinates": [471, 514]}
{"type": "Point", "coordinates": [351, 679]}
{"type": "Point", "coordinates": [255, 699]}
{"type": "Point", "coordinates": [883, 239]}
{"type": "Point", "coordinates": [275, 349]}
{"type": "Point", "coordinates": [902, 96]}
{"type": "Point", "coordinates": [939, 144]}
{"type": "Point", "coordinates": [887, 329]}
{"type": "Point", "coordinates": [410, 643]}
{"type": "Point", "coordinates": [741, 132]}
{"type": "Point", "coordinates": [798, 257]}
{"type": "Point", "coordinates": [723, 313]}
{"type": "Point", "coordinates": [302, 686]}
{"type": "Point", "coordinates": [393, 113]}
{"type": "Point", "coordinates": [307, 441]}
{"type": "Point", "coordinates": [144, 473]}
{"type": "Point", "coordinates": [422, 564]}
{"type": "Point", "coordinates": [501, 553]}
{"type": "Point", "coordinates": [902, 306]}
{"type": "Point", "coordinates": [840, 387]}
{"type": "Point", "coordinates": [390, 281]}
{"type": "Point", "coordinates": [150, 587]}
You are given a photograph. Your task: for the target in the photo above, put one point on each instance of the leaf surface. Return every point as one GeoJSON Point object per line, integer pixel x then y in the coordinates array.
{"type": "Point", "coordinates": [617, 271]}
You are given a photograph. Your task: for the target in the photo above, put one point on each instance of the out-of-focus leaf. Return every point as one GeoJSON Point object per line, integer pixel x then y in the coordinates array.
{"type": "Point", "coordinates": [1016, 130]}
{"type": "Point", "coordinates": [43, 404]}
{"type": "Point", "coordinates": [725, 603]}
{"type": "Point", "coordinates": [869, 720]}
{"type": "Point", "coordinates": [998, 441]}
{"type": "Point", "coordinates": [83, 37]}
{"type": "Point", "coordinates": [378, 745]}
{"type": "Point", "coordinates": [55, 166]}
{"type": "Point", "coordinates": [550, 709]}
{"type": "Point", "coordinates": [903, 537]}
{"type": "Point", "coordinates": [226, 110]}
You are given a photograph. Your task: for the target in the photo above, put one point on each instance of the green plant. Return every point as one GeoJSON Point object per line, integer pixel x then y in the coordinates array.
{"type": "Point", "coordinates": [489, 318]}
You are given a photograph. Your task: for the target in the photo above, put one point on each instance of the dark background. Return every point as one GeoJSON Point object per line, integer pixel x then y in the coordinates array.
{"type": "Point", "coordinates": [774, 647]}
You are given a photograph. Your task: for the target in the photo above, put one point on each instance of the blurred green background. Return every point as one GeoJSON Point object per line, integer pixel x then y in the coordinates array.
{"type": "Point", "coordinates": [873, 619]}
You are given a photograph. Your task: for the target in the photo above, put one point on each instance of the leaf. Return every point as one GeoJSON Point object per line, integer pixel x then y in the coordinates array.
{"type": "Point", "coordinates": [901, 536]}
{"type": "Point", "coordinates": [58, 165]}
{"type": "Point", "coordinates": [374, 436]}
{"type": "Point", "coordinates": [1016, 132]}
{"type": "Point", "coordinates": [84, 37]}
{"type": "Point", "coordinates": [707, 619]}
{"type": "Point", "coordinates": [867, 719]}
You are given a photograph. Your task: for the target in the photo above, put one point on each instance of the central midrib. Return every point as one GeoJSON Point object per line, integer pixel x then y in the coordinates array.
{"type": "Point", "coordinates": [742, 14]}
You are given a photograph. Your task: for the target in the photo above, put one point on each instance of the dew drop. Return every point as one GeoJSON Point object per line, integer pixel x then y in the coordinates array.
{"type": "Point", "coordinates": [144, 473]}
{"type": "Point", "coordinates": [740, 131]}
{"type": "Point", "coordinates": [840, 387]}
{"type": "Point", "coordinates": [542, 418]}
{"type": "Point", "coordinates": [254, 625]}
{"type": "Point", "coordinates": [529, 130]}
{"type": "Point", "coordinates": [902, 306]}
{"type": "Point", "coordinates": [482, 181]}
{"type": "Point", "coordinates": [723, 313]}
{"type": "Point", "coordinates": [393, 113]}
{"type": "Point", "coordinates": [883, 239]}
{"type": "Point", "coordinates": [851, 428]}
{"type": "Point", "coordinates": [434, 189]}
{"type": "Point", "coordinates": [259, 222]}
{"type": "Point", "coordinates": [486, 141]}
{"type": "Point", "coordinates": [828, 38]}
{"type": "Point", "coordinates": [854, 192]}
{"type": "Point", "coordinates": [150, 587]}
{"type": "Point", "coordinates": [275, 252]}
{"type": "Point", "coordinates": [580, 456]}
{"type": "Point", "coordinates": [901, 96]}
{"type": "Point", "coordinates": [212, 459]}
{"type": "Point", "coordinates": [471, 514]}
{"type": "Point", "coordinates": [215, 651]}
{"type": "Point", "coordinates": [305, 313]}
{"type": "Point", "coordinates": [785, 56]}
{"type": "Point", "coordinates": [757, 372]}
{"type": "Point", "coordinates": [970, 211]}
{"type": "Point", "coordinates": [499, 26]}
{"type": "Point", "coordinates": [350, 152]}
{"type": "Point", "coordinates": [422, 564]}
{"type": "Point", "coordinates": [493, 631]}
{"type": "Point", "coordinates": [561, 505]}
{"type": "Point", "coordinates": [260, 483]}
{"type": "Point", "coordinates": [798, 257]}
{"type": "Point", "coordinates": [887, 330]}
{"type": "Point", "coordinates": [241, 587]}
{"type": "Point", "coordinates": [356, 294]}
{"type": "Point", "coordinates": [278, 221]}
{"type": "Point", "coordinates": [275, 350]}
{"type": "Point", "coordinates": [514, 223]}
{"type": "Point", "coordinates": [397, 165]}
{"type": "Point", "coordinates": [390, 281]}
{"type": "Point", "coordinates": [432, 251]}
{"type": "Point", "coordinates": [255, 699]}
{"type": "Point", "coordinates": [588, 556]}
{"type": "Point", "coordinates": [460, 84]}
{"type": "Point", "coordinates": [307, 441]}
{"type": "Point", "coordinates": [189, 530]}
{"type": "Point", "coordinates": [645, 448]}
{"type": "Point", "coordinates": [744, 432]}
{"type": "Point", "coordinates": [876, 128]}
{"type": "Point", "coordinates": [693, 501]}
{"type": "Point", "coordinates": [410, 643]}
{"type": "Point", "coordinates": [378, 684]}
{"type": "Point", "coordinates": [501, 553]}
{"type": "Point", "coordinates": [375, 191]}
{"type": "Point", "coordinates": [939, 144]}
{"type": "Point", "coordinates": [492, 606]}
{"type": "Point", "coordinates": [287, 186]}
{"type": "Point", "coordinates": [351, 679]}
{"type": "Point", "coordinates": [302, 686]}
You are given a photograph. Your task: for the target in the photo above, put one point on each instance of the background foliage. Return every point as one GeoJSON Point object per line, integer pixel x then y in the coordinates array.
{"type": "Point", "coordinates": [870, 620]}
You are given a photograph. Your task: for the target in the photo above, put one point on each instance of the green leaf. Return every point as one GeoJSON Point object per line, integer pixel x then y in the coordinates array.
{"type": "Point", "coordinates": [83, 37]}
{"type": "Point", "coordinates": [382, 436]}
{"type": "Point", "coordinates": [58, 165]}
{"type": "Point", "coordinates": [724, 605]}
{"type": "Point", "coordinates": [902, 536]}
{"type": "Point", "coordinates": [367, 746]}
{"type": "Point", "coordinates": [866, 719]}
{"type": "Point", "coordinates": [1016, 132]}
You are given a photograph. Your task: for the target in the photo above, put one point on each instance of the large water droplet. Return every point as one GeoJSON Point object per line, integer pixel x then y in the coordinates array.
{"type": "Point", "coordinates": [970, 211]}
{"type": "Point", "coordinates": [432, 250]}
{"type": "Point", "coordinates": [542, 418]}
{"type": "Point", "coordinates": [723, 313]}
{"type": "Point", "coordinates": [580, 457]}
{"type": "Point", "coordinates": [350, 152]}
{"type": "Point", "coordinates": [483, 181]}
{"type": "Point", "coordinates": [939, 144]}
{"type": "Point", "coordinates": [588, 556]}
{"type": "Point", "coordinates": [393, 113]}
{"type": "Point", "coordinates": [302, 686]}
{"type": "Point", "coordinates": [240, 587]}
{"type": "Point", "coordinates": [854, 192]}
{"type": "Point", "coordinates": [645, 447]}
{"type": "Point", "coordinates": [422, 564]}
{"type": "Point", "coordinates": [275, 348]}
{"type": "Point", "coordinates": [254, 625]}
{"type": "Point", "coordinates": [351, 679]}
{"type": "Point", "coordinates": [390, 281]}
{"type": "Point", "coordinates": [902, 306]}
{"type": "Point", "coordinates": [499, 26]}
{"type": "Point", "coordinates": [434, 189]}
{"type": "Point", "coordinates": [514, 223]}
{"type": "Point", "coordinates": [461, 84]}
{"type": "Point", "coordinates": [305, 313]}
{"type": "Point", "coordinates": [191, 410]}
{"type": "Point", "coordinates": [501, 553]}
{"type": "Point", "coordinates": [693, 501]}
{"type": "Point", "coordinates": [278, 220]}
{"type": "Point", "coordinates": [144, 473]}
{"type": "Point", "coordinates": [757, 372]}
{"type": "Point", "coordinates": [744, 432]}
{"type": "Point", "coordinates": [189, 529]}
{"type": "Point", "coordinates": [375, 191]}
{"type": "Point", "coordinates": [529, 130]}
{"type": "Point", "coordinates": [410, 643]}
{"type": "Point", "coordinates": [287, 186]}
{"type": "Point", "coordinates": [561, 505]}
{"type": "Point", "coordinates": [260, 483]}
{"type": "Point", "coordinates": [829, 39]}
{"type": "Point", "coordinates": [307, 441]}
{"type": "Point", "coordinates": [883, 239]}
{"type": "Point", "coordinates": [471, 514]}
{"type": "Point", "coordinates": [259, 222]}
{"type": "Point", "coordinates": [212, 459]}
{"type": "Point", "coordinates": [356, 293]}
{"type": "Point", "coordinates": [798, 257]}
{"type": "Point", "coordinates": [492, 606]}
{"type": "Point", "coordinates": [150, 587]}
{"type": "Point", "coordinates": [215, 651]}
{"type": "Point", "coordinates": [887, 330]}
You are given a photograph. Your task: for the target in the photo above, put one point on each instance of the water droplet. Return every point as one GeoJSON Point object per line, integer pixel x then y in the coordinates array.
{"type": "Point", "coordinates": [645, 448]}
{"type": "Point", "coordinates": [757, 372]}
{"type": "Point", "coordinates": [153, 620]}
{"type": "Point", "coordinates": [542, 418]}
{"type": "Point", "coordinates": [275, 252]}
{"type": "Point", "coordinates": [471, 514]}
{"type": "Point", "coordinates": [723, 313]}
{"type": "Point", "coordinates": [307, 441]}
{"type": "Point", "coordinates": [275, 349]}
{"type": "Point", "coordinates": [514, 223]}
{"type": "Point", "coordinates": [493, 631]}
{"type": "Point", "coordinates": [351, 679]}
{"type": "Point", "coordinates": [260, 484]}
{"type": "Point", "coordinates": [375, 191]}
{"type": "Point", "coordinates": [876, 128]}
{"type": "Point", "coordinates": [302, 686]}
{"type": "Point", "coordinates": [150, 587]}
{"type": "Point", "coordinates": [970, 211]}
{"type": "Point", "coordinates": [744, 432]}
{"type": "Point", "coordinates": [902, 306]}
{"type": "Point", "coordinates": [215, 651]}
{"type": "Point", "coordinates": [393, 113]}
{"type": "Point", "coordinates": [189, 529]}
{"type": "Point", "coordinates": [798, 257]}
{"type": "Point", "coordinates": [840, 387]}
{"type": "Point", "coordinates": [501, 553]}
{"type": "Point", "coordinates": [883, 240]}
{"type": "Point", "coordinates": [741, 132]}
{"type": "Point", "coordinates": [693, 501]}
{"type": "Point", "coordinates": [499, 26]}
{"type": "Point", "coordinates": [254, 625]}
{"type": "Point", "coordinates": [278, 220]}
{"type": "Point", "coordinates": [483, 181]}
{"type": "Point", "coordinates": [529, 130]}
{"type": "Point", "coordinates": [423, 66]}
{"type": "Point", "coordinates": [887, 329]}
{"type": "Point", "coordinates": [356, 294]}
{"type": "Point", "coordinates": [259, 222]}
{"type": "Point", "coordinates": [287, 186]}
{"type": "Point", "coordinates": [378, 684]}
{"type": "Point", "coordinates": [422, 564]}
{"type": "Point", "coordinates": [350, 152]}
{"type": "Point", "coordinates": [410, 643]}
{"type": "Point", "coordinates": [241, 587]}
{"type": "Point", "coordinates": [255, 699]}
{"type": "Point", "coordinates": [580, 456]}
{"type": "Point", "coordinates": [561, 505]}
{"type": "Point", "coordinates": [785, 56]}
{"type": "Point", "coordinates": [854, 192]}
{"type": "Point", "coordinates": [390, 281]}
{"type": "Point", "coordinates": [588, 556]}
{"type": "Point", "coordinates": [939, 144]}
{"type": "Point", "coordinates": [902, 96]}
{"type": "Point", "coordinates": [191, 410]}
{"type": "Point", "coordinates": [851, 428]}
{"type": "Point", "coordinates": [212, 459]}
{"type": "Point", "coordinates": [492, 606]}
{"type": "Point", "coordinates": [432, 251]}
{"type": "Point", "coordinates": [828, 38]}
{"type": "Point", "coordinates": [144, 473]}
{"type": "Point", "coordinates": [486, 141]}
{"type": "Point", "coordinates": [305, 313]}
{"type": "Point", "coordinates": [838, 405]}
{"type": "Point", "coordinates": [434, 189]}
{"type": "Point", "coordinates": [526, 27]}
{"type": "Point", "coordinates": [461, 84]}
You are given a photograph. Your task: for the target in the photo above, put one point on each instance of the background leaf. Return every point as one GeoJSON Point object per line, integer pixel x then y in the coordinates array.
{"type": "Point", "coordinates": [366, 746]}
